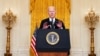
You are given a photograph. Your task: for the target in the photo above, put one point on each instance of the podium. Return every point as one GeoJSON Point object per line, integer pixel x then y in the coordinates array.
{"type": "Point", "coordinates": [53, 42]}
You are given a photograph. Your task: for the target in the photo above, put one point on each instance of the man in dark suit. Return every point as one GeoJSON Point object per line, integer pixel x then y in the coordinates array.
{"type": "Point", "coordinates": [51, 22]}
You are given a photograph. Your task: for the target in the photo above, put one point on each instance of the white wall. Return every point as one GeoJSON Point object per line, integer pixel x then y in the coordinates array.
{"type": "Point", "coordinates": [80, 35]}
{"type": "Point", "coordinates": [20, 35]}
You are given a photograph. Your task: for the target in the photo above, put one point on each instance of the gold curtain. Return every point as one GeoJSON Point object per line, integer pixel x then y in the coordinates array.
{"type": "Point", "coordinates": [38, 11]}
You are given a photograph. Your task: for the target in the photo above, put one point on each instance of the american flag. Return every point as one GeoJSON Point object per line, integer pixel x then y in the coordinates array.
{"type": "Point", "coordinates": [33, 43]}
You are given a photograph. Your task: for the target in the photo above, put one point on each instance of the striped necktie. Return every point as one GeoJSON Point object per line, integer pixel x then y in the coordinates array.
{"type": "Point", "coordinates": [52, 24]}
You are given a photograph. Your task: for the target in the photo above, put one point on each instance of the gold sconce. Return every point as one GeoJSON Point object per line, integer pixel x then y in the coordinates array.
{"type": "Point", "coordinates": [92, 19]}
{"type": "Point", "coordinates": [9, 19]}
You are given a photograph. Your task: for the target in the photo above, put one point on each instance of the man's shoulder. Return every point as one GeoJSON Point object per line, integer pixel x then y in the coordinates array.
{"type": "Point", "coordinates": [46, 19]}
{"type": "Point", "coordinates": [57, 19]}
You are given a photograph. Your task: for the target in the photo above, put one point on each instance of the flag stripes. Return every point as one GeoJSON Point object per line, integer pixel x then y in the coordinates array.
{"type": "Point", "coordinates": [33, 40]}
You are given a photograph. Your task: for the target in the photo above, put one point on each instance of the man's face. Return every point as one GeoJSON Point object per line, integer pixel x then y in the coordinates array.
{"type": "Point", "coordinates": [51, 12]}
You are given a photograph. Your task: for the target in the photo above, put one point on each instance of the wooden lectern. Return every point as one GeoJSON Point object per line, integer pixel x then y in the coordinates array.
{"type": "Point", "coordinates": [53, 53]}
{"type": "Point", "coordinates": [52, 42]}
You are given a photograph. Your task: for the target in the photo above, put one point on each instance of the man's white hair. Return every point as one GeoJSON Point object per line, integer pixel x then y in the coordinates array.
{"type": "Point", "coordinates": [51, 7]}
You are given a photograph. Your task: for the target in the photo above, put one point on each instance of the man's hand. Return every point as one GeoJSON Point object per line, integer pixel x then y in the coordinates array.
{"type": "Point", "coordinates": [59, 25]}
{"type": "Point", "coordinates": [45, 25]}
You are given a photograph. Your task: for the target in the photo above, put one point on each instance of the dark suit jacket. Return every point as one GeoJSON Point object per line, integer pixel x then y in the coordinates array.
{"type": "Point", "coordinates": [49, 23]}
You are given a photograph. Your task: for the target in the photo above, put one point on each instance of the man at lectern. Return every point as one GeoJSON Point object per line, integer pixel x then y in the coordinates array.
{"type": "Point", "coordinates": [51, 22]}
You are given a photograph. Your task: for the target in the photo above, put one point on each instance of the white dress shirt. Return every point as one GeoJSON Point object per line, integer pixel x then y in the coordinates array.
{"type": "Point", "coordinates": [50, 19]}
